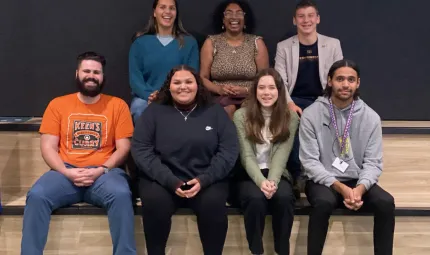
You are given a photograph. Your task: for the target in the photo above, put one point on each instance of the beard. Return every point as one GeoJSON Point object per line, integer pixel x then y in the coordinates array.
{"type": "Point", "coordinates": [89, 91]}
{"type": "Point", "coordinates": [352, 94]}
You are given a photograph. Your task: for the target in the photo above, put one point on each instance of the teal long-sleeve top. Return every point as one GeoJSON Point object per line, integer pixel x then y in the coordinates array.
{"type": "Point", "coordinates": [150, 62]}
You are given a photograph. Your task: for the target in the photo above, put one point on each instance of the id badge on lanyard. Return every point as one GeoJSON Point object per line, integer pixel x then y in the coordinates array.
{"type": "Point", "coordinates": [338, 163]}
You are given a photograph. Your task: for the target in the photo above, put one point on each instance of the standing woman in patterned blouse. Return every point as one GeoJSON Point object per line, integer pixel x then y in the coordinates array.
{"type": "Point", "coordinates": [230, 60]}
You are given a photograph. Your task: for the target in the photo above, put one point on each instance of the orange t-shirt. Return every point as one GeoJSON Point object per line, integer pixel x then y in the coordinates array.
{"type": "Point", "coordinates": [87, 131]}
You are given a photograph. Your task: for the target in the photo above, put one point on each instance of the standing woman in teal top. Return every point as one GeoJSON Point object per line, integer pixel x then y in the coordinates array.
{"type": "Point", "coordinates": [162, 45]}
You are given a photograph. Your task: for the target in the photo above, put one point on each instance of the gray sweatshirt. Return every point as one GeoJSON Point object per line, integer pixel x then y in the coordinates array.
{"type": "Point", "coordinates": [319, 147]}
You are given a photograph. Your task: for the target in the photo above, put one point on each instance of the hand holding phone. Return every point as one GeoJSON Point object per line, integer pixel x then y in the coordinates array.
{"type": "Point", "coordinates": [185, 186]}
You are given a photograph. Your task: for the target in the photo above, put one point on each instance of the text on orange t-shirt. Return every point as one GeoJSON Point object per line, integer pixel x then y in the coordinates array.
{"type": "Point", "coordinates": [87, 131]}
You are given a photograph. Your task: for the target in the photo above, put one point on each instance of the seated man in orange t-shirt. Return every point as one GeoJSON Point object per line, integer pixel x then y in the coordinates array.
{"type": "Point", "coordinates": [85, 137]}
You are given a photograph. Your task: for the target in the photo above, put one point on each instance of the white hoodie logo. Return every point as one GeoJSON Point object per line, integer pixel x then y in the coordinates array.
{"type": "Point", "coordinates": [208, 128]}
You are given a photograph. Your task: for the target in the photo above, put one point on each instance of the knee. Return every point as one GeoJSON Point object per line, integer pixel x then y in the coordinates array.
{"type": "Point", "coordinates": [138, 104]}
{"type": "Point", "coordinates": [256, 203]}
{"type": "Point", "coordinates": [137, 107]}
{"type": "Point", "coordinates": [157, 204]}
{"type": "Point", "coordinates": [212, 205]}
{"type": "Point", "coordinates": [230, 109]}
{"type": "Point", "coordinates": [284, 199]}
{"type": "Point", "coordinates": [322, 205]}
{"type": "Point", "coordinates": [120, 194]}
{"type": "Point", "coordinates": [36, 196]}
{"type": "Point", "coordinates": [385, 204]}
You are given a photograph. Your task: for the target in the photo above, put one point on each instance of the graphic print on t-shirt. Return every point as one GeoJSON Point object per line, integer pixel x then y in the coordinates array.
{"type": "Point", "coordinates": [86, 133]}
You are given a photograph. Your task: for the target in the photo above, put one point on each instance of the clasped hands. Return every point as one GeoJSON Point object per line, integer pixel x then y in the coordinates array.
{"type": "Point", "coordinates": [352, 196]}
{"type": "Point", "coordinates": [191, 192]}
{"type": "Point", "coordinates": [231, 90]}
{"type": "Point", "coordinates": [84, 177]}
{"type": "Point", "coordinates": [268, 188]}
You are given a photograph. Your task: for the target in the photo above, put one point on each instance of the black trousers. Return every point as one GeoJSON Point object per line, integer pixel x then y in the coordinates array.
{"type": "Point", "coordinates": [324, 200]}
{"type": "Point", "coordinates": [255, 207]}
{"type": "Point", "coordinates": [159, 205]}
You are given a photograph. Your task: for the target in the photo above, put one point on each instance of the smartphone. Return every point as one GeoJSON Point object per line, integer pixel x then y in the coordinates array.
{"type": "Point", "coordinates": [185, 186]}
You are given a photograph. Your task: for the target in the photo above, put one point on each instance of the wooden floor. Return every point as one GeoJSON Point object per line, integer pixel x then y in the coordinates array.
{"type": "Point", "coordinates": [87, 235]}
{"type": "Point", "coordinates": [406, 167]}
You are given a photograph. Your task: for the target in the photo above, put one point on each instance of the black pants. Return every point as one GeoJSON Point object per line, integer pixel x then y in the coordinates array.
{"type": "Point", "coordinates": [294, 165]}
{"type": "Point", "coordinates": [255, 206]}
{"type": "Point", "coordinates": [324, 200]}
{"type": "Point", "coordinates": [160, 204]}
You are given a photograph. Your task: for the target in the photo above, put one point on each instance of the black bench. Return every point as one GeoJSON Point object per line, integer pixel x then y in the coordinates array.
{"type": "Point", "coordinates": [302, 208]}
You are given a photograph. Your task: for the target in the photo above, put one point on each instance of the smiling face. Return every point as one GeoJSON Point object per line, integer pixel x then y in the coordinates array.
{"type": "Point", "coordinates": [267, 93]}
{"type": "Point", "coordinates": [306, 20]}
{"type": "Point", "coordinates": [234, 18]}
{"type": "Point", "coordinates": [165, 13]}
{"type": "Point", "coordinates": [89, 78]}
{"type": "Point", "coordinates": [183, 87]}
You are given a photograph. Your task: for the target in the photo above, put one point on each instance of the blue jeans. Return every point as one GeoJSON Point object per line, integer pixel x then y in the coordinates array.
{"type": "Point", "coordinates": [54, 190]}
{"type": "Point", "coordinates": [293, 165]}
{"type": "Point", "coordinates": [137, 106]}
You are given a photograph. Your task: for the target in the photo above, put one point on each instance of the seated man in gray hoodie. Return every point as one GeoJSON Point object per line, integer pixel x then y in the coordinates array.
{"type": "Point", "coordinates": [341, 152]}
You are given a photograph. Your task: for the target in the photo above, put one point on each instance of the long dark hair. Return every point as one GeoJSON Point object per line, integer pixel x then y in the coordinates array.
{"type": "Point", "coordinates": [203, 96]}
{"type": "Point", "coordinates": [280, 117]}
{"type": "Point", "coordinates": [219, 16]}
{"type": "Point", "coordinates": [151, 28]}
{"type": "Point", "coordinates": [339, 64]}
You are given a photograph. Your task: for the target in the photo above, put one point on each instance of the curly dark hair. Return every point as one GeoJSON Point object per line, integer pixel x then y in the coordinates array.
{"type": "Point", "coordinates": [203, 96]}
{"type": "Point", "coordinates": [219, 15]}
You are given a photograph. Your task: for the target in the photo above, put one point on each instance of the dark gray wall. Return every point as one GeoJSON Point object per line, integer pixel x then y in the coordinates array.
{"type": "Point", "coordinates": [39, 42]}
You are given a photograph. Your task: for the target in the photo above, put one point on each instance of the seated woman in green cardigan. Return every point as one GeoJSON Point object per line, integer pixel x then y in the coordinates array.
{"type": "Point", "coordinates": [266, 130]}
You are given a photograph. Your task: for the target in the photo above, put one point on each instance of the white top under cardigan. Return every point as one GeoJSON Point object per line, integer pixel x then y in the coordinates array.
{"type": "Point", "coordinates": [263, 150]}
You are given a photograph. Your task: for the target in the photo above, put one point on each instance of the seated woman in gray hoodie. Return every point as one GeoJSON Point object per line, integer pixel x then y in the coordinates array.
{"type": "Point", "coordinates": [266, 130]}
{"type": "Point", "coordinates": [341, 153]}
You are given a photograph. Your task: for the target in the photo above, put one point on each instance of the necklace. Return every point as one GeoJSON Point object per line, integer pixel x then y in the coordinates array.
{"type": "Point", "coordinates": [186, 116]}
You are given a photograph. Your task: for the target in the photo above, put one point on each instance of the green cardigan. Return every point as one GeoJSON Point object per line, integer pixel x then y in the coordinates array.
{"type": "Point", "coordinates": [279, 153]}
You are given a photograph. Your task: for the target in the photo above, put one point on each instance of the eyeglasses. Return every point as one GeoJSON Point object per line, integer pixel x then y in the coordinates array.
{"type": "Point", "coordinates": [230, 14]}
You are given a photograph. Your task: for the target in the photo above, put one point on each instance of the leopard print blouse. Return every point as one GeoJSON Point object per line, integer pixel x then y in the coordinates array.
{"type": "Point", "coordinates": [234, 65]}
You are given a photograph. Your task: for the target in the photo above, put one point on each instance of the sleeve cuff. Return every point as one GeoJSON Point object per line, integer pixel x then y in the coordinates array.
{"type": "Point", "coordinates": [258, 180]}
{"type": "Point", "coordinates": [329, 181]}
{"type": "Point", "coordinates": [203, 180]}
{"type": "Point", "coordinates": [367, 184]}
{"type": "Point", "coordinates": [174, 183]}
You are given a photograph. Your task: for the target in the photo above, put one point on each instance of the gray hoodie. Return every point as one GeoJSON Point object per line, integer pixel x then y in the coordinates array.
{"type": "Point", "coordinates": [319, 148]}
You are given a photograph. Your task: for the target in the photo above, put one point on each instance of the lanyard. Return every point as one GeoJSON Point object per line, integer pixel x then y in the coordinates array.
{"type": "Point", "coordinates": [347, 126]}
